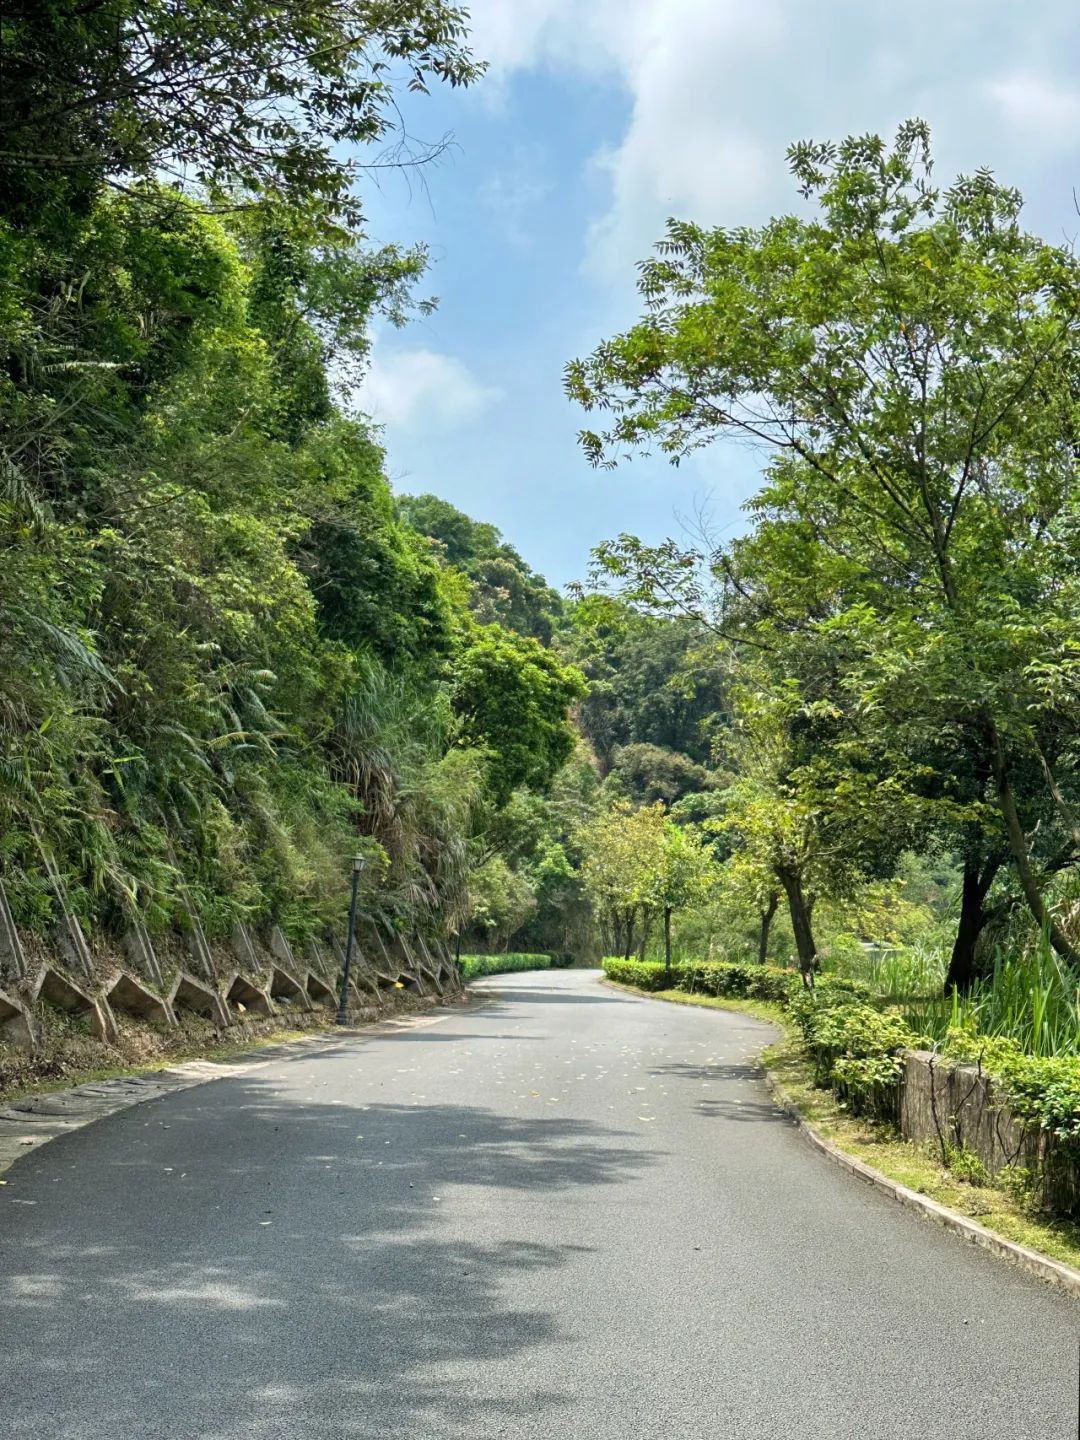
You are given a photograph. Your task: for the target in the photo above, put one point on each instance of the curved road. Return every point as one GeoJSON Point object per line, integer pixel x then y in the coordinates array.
{"type": "Point", "coordinates": [567, 1213]}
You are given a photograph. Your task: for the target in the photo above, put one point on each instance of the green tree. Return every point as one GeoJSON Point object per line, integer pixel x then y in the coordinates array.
{"type": "Point", "coordinates": [501, 901]}
{"type": "Point", "coordinates": [639, 865]}
{"type": "Point", "coordinates": [909, 355]}
{"type": "Point", "coordinates": [512, 698]}
{"type": "Point", "coordinates": [613, 870]}
{"type": "Point", "coordinates": [653, 679]}
{"type": "Point", "coordinates": [647, 773]}
{"type": "Point", "coordinates": [807, 816]}
{"type": "Point", "coordinates": [682, 876]}
{"type": "Point", "coordinates": [285, 103]}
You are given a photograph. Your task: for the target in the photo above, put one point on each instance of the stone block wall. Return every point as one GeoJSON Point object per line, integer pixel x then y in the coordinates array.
{"type": "Point", "coordinates": [942, 1101]}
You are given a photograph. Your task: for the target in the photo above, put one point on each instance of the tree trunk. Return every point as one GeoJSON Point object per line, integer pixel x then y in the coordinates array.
{"type": "Point", "coordinates": [667, 938]}
{"type": "Point", "coordinates": [629, 935]}
{"type": "Point", "coordinates": [973, 918]}
{"type": "Point", "coordinates": [646, 931]}
{"type": "Point", "coordinates": [1062, 806]}
{"type": "Point", "coordinates": [766, 922]}
{"type": "Point", "coordinates": [1018, 845]}
{"type": "Point", "coordinates": [961, 971]}
{"type": "Point", "coordinates": [791, 880]}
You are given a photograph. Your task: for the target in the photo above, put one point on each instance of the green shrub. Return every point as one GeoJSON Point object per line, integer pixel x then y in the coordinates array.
{"type": "Point", "coordinates": [966, 1165]}
{"type": "Point", "coordinates": [1043, 1089]}
{"type": "Point", "coordinates": [858, 1051]}
{"type": "Point", "coordinates": [473, 966]}
{"type": "Point", "coordinates": [643, 974]}
{"type": "Point", "coordinates": [748, 982]}
{"type": "Point", "coordinates": [856, 1031]}
{"type": "Point", "coordinates": [829, 992]}
{"type": "Point", "coordinates": [1021, 1182]}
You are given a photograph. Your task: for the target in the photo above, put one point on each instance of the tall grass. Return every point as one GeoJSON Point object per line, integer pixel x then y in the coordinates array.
{"type": "Point", "coordinates": [896, 974]}
{"type": "Point", "coordinates": [1031, 998]}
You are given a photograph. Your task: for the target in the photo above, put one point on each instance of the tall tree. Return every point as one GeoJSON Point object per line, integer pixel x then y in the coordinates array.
{"type": "Point", "coordinates": [286, 103]}
{"type": "Point", "coordinates": [909, 357]}
{"type": "Point", "coordinates": [512, 698]}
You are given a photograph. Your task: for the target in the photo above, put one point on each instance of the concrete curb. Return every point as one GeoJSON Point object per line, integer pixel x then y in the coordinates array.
{"type": "Point", "coordinates": [1041, 1266]}
{"type": "Point", "coordinates": [1054, 1272]}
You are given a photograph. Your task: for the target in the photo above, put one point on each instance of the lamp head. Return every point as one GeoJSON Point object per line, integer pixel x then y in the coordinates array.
{"type": "Point", "coordinates": [358, 863]}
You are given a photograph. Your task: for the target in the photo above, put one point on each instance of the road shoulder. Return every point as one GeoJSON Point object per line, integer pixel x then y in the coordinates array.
{"type": "Point", "coordinates": [787, 1077]}
{"type": "Point", "coordinates": [34, 1119]}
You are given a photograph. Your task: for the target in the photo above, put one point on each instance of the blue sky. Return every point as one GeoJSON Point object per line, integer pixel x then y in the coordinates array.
{"type": "Point", "coordinates": [598, 119]}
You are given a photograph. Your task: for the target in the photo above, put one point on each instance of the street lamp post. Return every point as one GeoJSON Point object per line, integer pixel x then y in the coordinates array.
{"type": "Point", "coordinates": [343, 1006]}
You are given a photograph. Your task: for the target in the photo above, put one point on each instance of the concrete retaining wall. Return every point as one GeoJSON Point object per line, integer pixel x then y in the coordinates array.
{"type": "Point", "coordinates": [255, 974]}
{"type": "Point", "coordinates": [941, 1101]}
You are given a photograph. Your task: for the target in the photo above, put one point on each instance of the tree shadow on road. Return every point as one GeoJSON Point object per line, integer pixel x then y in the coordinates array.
{"type": "Point", "coordinates": [255, 1263]}
{"type": "Point", "coordinates": [501, 999]}
{"type": "Point", "coordinates": [744, 1105]}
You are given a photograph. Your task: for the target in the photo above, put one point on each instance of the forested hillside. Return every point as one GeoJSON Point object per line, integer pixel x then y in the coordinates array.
{"type": "Point", "coordinates": [227, 660]}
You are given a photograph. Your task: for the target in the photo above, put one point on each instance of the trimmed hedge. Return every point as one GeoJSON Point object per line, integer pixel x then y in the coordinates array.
{"type": "Point", "coordinates": [473, 966]}
{"type": "Point", "coordinates": [642, 974]}
{"type": "Point", "coordinates": [746, 982]}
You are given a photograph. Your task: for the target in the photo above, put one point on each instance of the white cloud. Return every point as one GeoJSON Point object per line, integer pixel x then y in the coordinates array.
{"type": "Point", "coordinates": [419, 387]}
{"type": "Point", "coordinates": [717, 89]}
{"type": "Point", "coordinates": [1040, 105]}
{"type": "Point", "coordinates": [519, 34]}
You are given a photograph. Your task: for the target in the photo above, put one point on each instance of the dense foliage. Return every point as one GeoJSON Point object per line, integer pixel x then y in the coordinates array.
{"type": "Point", "coordinates": [501, 585]}
{"type": "Point", "coordinates": [899, 620]}
{"type": "Point", "coordinates": [227, 661]}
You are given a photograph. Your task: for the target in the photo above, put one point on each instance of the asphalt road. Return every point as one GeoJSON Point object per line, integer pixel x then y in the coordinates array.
{"type": "Point", "coordinates": [568, 1213]}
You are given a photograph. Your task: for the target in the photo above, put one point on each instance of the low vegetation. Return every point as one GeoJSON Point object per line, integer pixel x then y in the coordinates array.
{"type": "Point", "coordinates": [474, 966]}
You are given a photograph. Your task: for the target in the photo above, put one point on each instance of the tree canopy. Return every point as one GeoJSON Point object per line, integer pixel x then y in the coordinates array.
{"type": "Point", "coordinates": [284, 104]}
{"type": "Point", "coordinates": [906, 359]}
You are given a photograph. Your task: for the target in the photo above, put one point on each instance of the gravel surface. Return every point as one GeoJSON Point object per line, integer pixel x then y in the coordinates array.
{"type": "Point", "coordinates": [564, 1213]}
